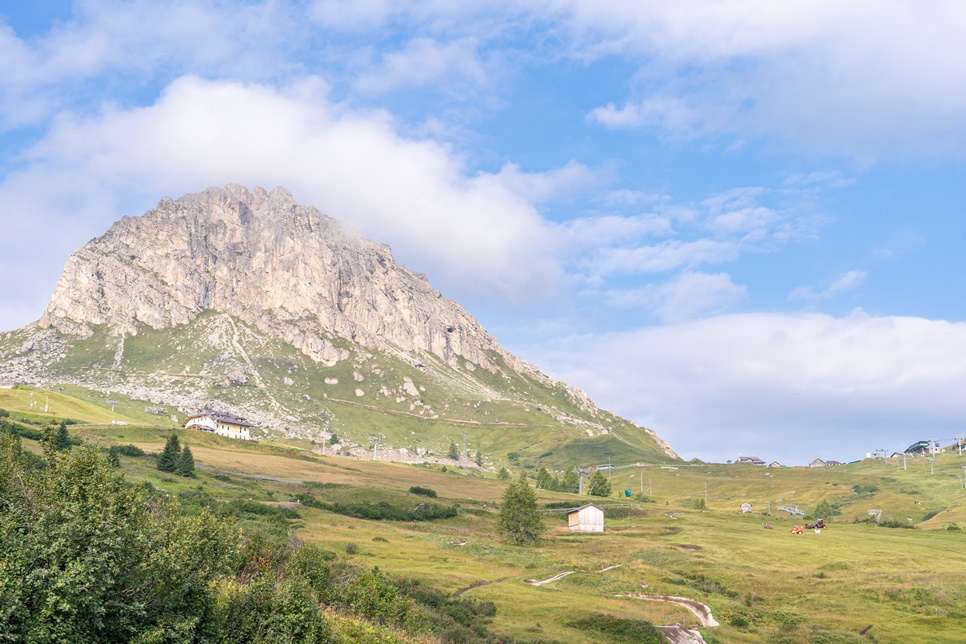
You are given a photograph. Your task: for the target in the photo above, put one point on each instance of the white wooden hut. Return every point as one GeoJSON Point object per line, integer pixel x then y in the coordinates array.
{"type": "Point", "coordinates": [586, 518]}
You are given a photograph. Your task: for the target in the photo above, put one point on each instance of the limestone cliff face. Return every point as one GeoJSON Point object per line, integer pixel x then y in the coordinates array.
{"type": "Point", "coordinates": [285, 268]}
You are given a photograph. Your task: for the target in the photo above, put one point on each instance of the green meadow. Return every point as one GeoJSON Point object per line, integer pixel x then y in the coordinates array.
{"type": "Point", "coordinates": [685, 536]}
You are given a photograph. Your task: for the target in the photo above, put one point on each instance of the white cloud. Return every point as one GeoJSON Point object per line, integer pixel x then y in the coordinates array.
{"type": "Point", "coordinates": [664, 256]}
{"type": "Point", "coordinates": [685, 297]}
{"type": "Point", "coordinates": [847, 281]}
{"type": "Point", "coordinates": [783, 387]}
{"type": "Point", "coordinates": [473, 233]}
{"type": "Point", "coordinates": [864, 79]}
{"type": "Point", "coordinates": [609, 230]}
{"type": "Point", "coordinates": [453, 67]}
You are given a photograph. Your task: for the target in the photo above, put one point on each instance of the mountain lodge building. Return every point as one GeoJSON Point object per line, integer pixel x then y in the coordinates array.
{"type": "Point", "coordinates": [221, 423]}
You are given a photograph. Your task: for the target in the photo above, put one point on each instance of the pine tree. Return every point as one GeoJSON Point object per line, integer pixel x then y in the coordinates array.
{"type": "Point", "coordinates": [519, 520]}
{"type": "Point", "coordinates": [168, 459]}
{"type": "Point", "coordinates": [571, 481]}
{"type": "Point", "coordinates": [478, 459]}
{"type": "Point", "coordinates": [186, 463]}
{"type": "Point", "coordinates": [504, 474]}
{"type": "Point", "coordinates": [543, 479]}
{"type": "Point", "coordinates": [453, 451]}
{"type": "Point", "coordinates": [599, 484]}
{"type": "Point", "coordinates": [113, 457]}
{"type": "Point", "coordinates": [62, 438]}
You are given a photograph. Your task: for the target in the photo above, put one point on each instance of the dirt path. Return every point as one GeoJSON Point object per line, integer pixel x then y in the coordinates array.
{"type": "Point", "coordinates": [678, 634]}
{"type": "Point", "coordinates": [701, 611]}
{"type": "Point", "coordinates": [477, 585]}
{"type": "Point", "coordinates": [534, 582]}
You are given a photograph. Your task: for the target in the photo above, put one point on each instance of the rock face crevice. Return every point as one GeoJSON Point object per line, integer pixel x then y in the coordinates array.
{"type": "Point", "coordinates": [260, 256]}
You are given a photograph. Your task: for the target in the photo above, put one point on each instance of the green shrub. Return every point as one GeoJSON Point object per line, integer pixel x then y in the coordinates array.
{"type": "Point", "coordinates": [129, 450]}
{"type": "Point", "coordinates": [385, 511]}
{"type": "Point", "coordinates": [617, 629]}
{"type": "Point", "coordinates": [423, 491]}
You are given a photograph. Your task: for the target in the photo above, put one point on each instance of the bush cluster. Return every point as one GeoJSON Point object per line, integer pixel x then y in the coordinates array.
{"type": "Point", "coordinates": [88, 557]}
{"type": "Point", "coordinates": [423, 491]}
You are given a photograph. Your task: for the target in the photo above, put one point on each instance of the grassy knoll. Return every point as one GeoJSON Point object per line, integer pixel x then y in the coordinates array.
{"type": "Point", "coordinates": [763, 585]}
{"type": "Point", "coordinates": [62, 405]}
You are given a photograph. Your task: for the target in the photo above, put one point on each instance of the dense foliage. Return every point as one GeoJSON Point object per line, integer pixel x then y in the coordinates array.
{"type": "Point", "coordinates": [87, 557]}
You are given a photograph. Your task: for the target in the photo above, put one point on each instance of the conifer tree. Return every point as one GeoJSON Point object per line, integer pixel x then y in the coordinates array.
{"type": "Point", "coordinates": [519, 520]}
{"type": "Point", "coordinates": [571, 481]}
{"type": "Point", "coordinates": [504, 474]}
{"type": "Point", "coordinates": [453, 451]}
{"type": "Point", "coordinates": [186, 463]}
{"type": "Point", "coordinates": [168, 459]}
{"type": "Point", "coordinates": [599, 484]}
{"type": "Point", "coordinates": [478, 459]}
{"type": "Point", "coordinates": [62, 438]}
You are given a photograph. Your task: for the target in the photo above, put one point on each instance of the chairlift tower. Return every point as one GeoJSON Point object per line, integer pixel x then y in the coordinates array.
{"type": "Point", "coordinates": [375, 445]}
{"type": "Point", "coordinates": [580, 487]}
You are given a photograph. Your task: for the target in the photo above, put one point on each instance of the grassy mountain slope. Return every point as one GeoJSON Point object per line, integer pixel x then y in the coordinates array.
{"type": "Point", "coordinates": [416, 407]}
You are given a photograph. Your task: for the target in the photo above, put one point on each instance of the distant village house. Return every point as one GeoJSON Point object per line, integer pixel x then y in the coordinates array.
{"type": "Point", "coordinates": [750, 460]}
{"type": "Point", "coordinates": [221, 423]}
{"type": "Point", "coordinates": [817, 463]}
{"type": "Point", "coordinates": [586, 518]}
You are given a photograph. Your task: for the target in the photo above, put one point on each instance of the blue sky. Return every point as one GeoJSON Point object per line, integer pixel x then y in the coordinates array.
{"type": "Point", "coordinates": [738, 223]}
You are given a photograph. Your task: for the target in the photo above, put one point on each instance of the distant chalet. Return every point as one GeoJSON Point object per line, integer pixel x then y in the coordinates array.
{"type": "Point", "coordinates": [749, 460]}
{"type": "Point", "coordinates": [221, 423]}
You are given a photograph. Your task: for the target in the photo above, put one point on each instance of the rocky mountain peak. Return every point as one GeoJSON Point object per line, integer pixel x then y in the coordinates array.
{"type": "Point", "coordinates": [262, 257]}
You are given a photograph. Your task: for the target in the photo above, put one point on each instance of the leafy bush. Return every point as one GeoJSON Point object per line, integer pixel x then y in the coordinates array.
{"type": "Point", "coordinates": [129, 450]}
{"type": "Point", "coordinates": [423, 491]}
{"type": "Point", "coordinates": [618, 629]}
{"type": "Point", "coordinates": [385, 511]}
{"type": "Point", "coordinates": [351, 548]}
{"type": "Point", "coordinates": [84, 558]}
{"type": "Point", "coordinates": [824, 509]}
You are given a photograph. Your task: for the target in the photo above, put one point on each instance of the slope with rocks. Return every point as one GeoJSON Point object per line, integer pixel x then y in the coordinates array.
{"type": "Point", "coordinates": [253, 302]}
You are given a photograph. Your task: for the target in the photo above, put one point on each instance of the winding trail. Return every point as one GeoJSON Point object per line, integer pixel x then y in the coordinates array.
{"type": "Point", "coordinates": [676, 633]}
{"type": "Point", "coordinates": [477, 585]}
{"type": "Point", "coordinates": [534, 582]}
{"type": "Point", "coordinates": [701, 611]}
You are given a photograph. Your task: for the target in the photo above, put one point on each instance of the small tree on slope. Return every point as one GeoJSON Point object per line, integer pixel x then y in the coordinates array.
{"type": "Point", "coordinates": [186, 463]}
{"type": "Point", "coordinates": [519, 520]}
{"type": "Point", "coordinates": [599, 484]}
{"type": "Point", "coordinates": [168, 459]}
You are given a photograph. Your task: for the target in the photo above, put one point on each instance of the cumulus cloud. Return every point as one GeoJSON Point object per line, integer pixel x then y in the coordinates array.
{"type": "Point", "coordinates": [687, 296]}
{"type": "Point", "coordinates": [145, 38]}
{"type": "Point", "coordinates": [783, 387]}
{"type": "Point", "coordinates": [862, 79]}
{"type": "Point", "coordinates": [473, 232]}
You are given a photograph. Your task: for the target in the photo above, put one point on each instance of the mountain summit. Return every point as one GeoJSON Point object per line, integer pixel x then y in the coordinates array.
{"type": "Point", "coordinates": [254, 302]}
